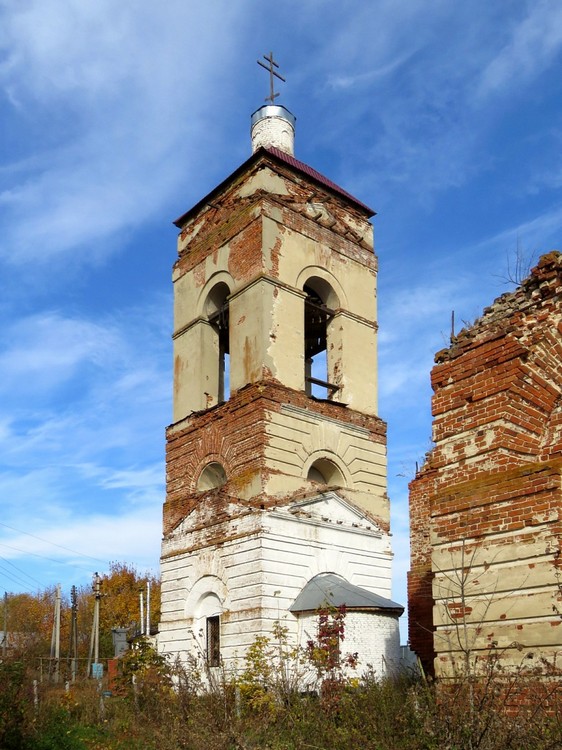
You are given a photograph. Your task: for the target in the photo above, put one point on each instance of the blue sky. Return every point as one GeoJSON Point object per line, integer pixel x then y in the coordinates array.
{"type": "Point", "coordinates": [445, 117]}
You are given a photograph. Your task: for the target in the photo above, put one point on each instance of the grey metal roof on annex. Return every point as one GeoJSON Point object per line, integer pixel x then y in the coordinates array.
{"type": "Point", "coordinates": [332, 589]}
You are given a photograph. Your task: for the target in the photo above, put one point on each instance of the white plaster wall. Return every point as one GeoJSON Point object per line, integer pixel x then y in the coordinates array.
{"type": "Point", "coordinates": [263, 571]}
{"type": "Point", "coordinates": [374, 636]}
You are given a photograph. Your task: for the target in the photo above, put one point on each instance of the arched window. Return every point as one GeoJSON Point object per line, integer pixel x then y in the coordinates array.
{"type": "Point", "coordinates": [324, 471]}
{"type": "Point", "coordinates": [318, 313]}
{"type": "Point", "coordinates": [207, 618]}
{"type": "Point", "coordinates": [216, 309]}
{"type": "Point", "coordinates": [212, 476]}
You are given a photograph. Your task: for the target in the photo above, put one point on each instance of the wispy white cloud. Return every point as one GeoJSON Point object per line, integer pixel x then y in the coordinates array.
{"type": "Point", "coordinates": [81, 449]}
{"type": "Point", "coordinates": [412, 76]}
{"type": "Point", "coordinates": [54, 502]}
{"type": "Point", "coordinates": [45, 349]}
{"type": "Point", "coordinates": [352, 81]}
{"type": "Point", "coordinates": [99, 538]}
{"type": "Point", "coordinates": [126, 108]}
{"type": "Point", "coordinates": [22, 491]}
{"type": "Point", "coordinates": [534, 44]}
{"type": "Point", "coordinates": [534, 233]}
{"type": "Point", "coordinates": [406, 85]}
{"type": "Point", "coordinates": [132, 478]}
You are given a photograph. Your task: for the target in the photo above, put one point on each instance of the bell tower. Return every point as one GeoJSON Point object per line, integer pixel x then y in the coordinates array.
{"type": "Point", "coordinates": [276, 457]}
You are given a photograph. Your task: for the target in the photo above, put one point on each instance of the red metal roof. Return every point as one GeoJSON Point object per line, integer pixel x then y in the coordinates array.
{"type": "Point", "coordinates": [310, 172]}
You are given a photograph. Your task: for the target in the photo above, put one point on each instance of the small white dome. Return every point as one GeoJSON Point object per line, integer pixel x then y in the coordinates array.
{"type": "Point", "coordinates": [273, 126]}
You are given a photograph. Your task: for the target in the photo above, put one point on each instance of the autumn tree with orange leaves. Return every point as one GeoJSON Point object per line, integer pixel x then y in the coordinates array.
{"type": "Point", "coordinates": [120, 606]}
{"type": "Point", "coordinates": [30, 622]}
{"type": "Point", "coordinates": [30, 616]}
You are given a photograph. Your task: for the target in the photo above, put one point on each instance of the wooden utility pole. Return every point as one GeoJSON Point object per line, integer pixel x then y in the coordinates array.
{"type": "Point", "coordinates": [97, 594]}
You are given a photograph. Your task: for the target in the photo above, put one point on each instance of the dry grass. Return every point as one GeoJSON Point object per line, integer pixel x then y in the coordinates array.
{"type": "Point", "coordinates": [402, 713]}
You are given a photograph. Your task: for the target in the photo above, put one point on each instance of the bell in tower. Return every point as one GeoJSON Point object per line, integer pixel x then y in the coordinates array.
{"type": "Point", "coordinates": [276, 497]}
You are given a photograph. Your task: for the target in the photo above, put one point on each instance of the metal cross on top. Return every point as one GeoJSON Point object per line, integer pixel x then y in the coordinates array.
{"type": "Point", "coordinates": [270, 68]}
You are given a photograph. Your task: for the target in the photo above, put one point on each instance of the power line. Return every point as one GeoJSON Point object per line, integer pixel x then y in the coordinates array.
{"type": "Point", "coordinates": [20, 570]}
{"type": "Point", "coordinates": [54, 544]}
{"type": "Point", "coordinates": [7, 575]}
{"type": "Point", "coordinates": [44, 557]}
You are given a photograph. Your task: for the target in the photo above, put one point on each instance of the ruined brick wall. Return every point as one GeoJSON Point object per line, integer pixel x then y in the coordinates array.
{"type": "Point", "coordinates": [485, 508]}
{"type": "Point", "coordinates": [420, 578]}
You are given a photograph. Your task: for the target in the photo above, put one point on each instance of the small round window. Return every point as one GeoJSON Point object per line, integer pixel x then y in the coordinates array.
{"type": "Point", "coordinates": [212, 476]}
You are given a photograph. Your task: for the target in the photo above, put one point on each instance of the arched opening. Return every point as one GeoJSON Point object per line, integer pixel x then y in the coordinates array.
{"type": "Point", "coordinates": [324, 471]}
{"type": "Point", "coordinates": [208, 618]}
{"type": "Point", "coordinates": [318, 313]}
{"type": "Point", "coordinates": [212, 476]}
{"type": "Point", "coordinates": [216, 309]}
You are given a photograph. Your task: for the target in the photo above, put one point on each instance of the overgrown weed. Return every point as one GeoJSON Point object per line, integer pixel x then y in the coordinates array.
{"type": "Point", "coordinates": [262, 707]}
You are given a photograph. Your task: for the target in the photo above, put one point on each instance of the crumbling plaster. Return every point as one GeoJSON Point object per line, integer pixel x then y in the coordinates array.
{"type": "Point", "coordinates": [264, 234]}
{"type": "Point", "coordinates": [263, 558]}
{"type": "Point", "coordinates": [265, 260]}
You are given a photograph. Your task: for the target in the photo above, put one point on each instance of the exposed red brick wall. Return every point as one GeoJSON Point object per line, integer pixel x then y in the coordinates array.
{"type": "Point", "coordinates": [497, 460]}
{"type": "Point", "coordinates": [235, 433]}
{"type": "Point", "coordinates": [420, 599]}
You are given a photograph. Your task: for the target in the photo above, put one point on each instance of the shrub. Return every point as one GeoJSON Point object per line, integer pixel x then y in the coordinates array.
{"type": "Point", "coordinates": [14, 704]}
